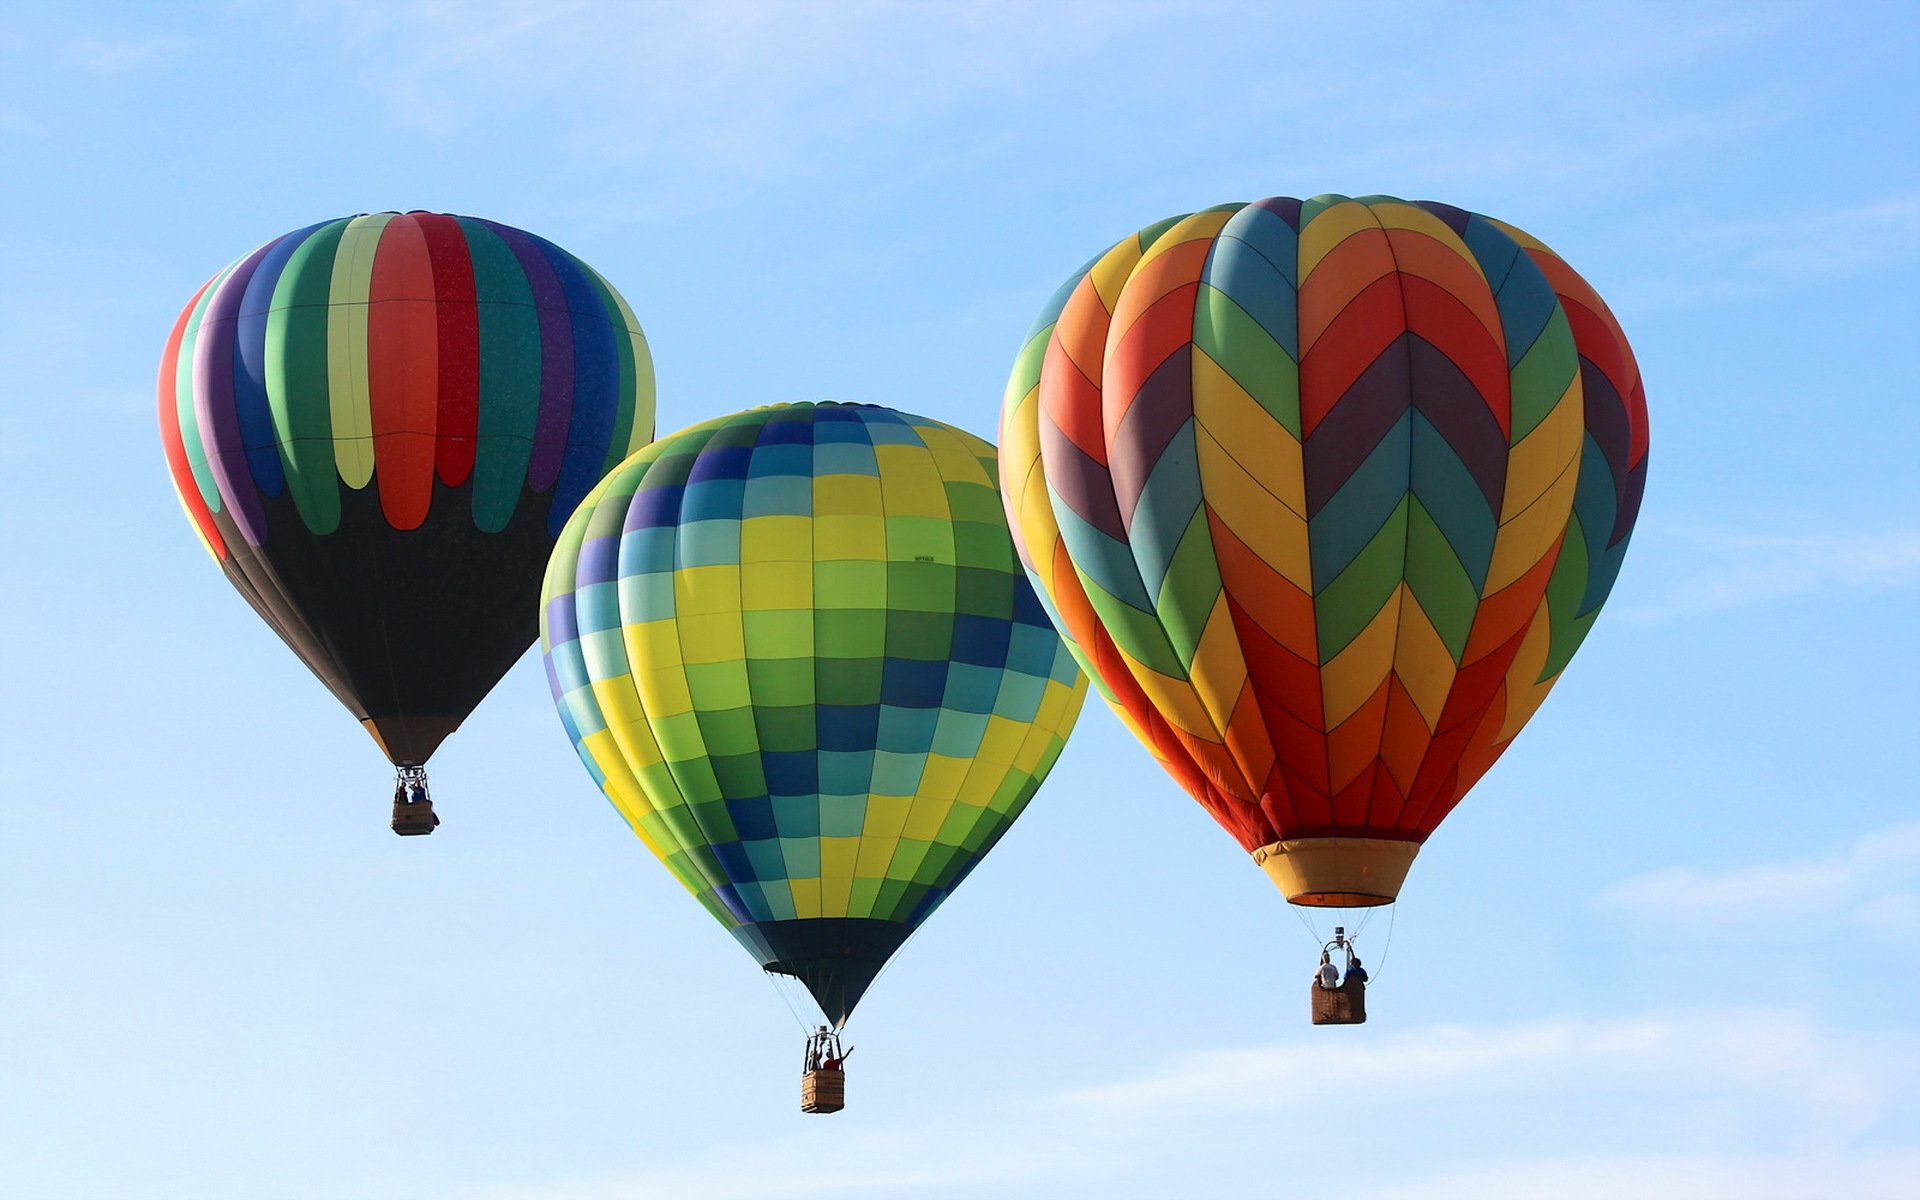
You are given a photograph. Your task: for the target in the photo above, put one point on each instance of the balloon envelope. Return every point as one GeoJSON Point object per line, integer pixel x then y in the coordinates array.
{"type": "Point", "coordinates": [1325, 493]}
{"type": "Point", "coordinates": [377, 424]}
{"type": "Point", "coordinates": [794, 648]}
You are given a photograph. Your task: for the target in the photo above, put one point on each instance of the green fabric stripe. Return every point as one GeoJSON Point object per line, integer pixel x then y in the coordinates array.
{"type": "Point", "coordinates": [1443, 587]}
{"type": "Point", "coordinates": [509, 377]}
{"type": "Point", "coordinates": [632, 387]}
{"type": "Point", "coordinates": [1191, 590]}
{"type": "Point", "coordinates": [183, 396]}
{"type": "Point", "coordinates": [298, 391]}
{"type": "Point", "coordinates": [1231, 337]}
{"type": "Point", "coordinates": [1355, 597]}
{"type": "Point", "coordinates": [1543, 375]}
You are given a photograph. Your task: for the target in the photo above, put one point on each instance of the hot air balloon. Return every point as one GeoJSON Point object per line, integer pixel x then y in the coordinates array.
{"type": "Point", "coordinates": [1325, 494]}
{"type": "Point", "coordinates": [377, 425]}
{"type": "Point", "coordinates": [794, 648]}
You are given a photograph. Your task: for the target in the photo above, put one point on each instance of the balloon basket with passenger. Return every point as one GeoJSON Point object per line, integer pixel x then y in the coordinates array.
{"type": "Point", "coordinates": [1339, 997]}
{"type": "Point", "coordinates": [823, 1076]}
{"type": "Point", "coordinates": [413, 814]}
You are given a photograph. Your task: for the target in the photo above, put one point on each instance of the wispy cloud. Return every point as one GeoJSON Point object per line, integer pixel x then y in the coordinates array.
{"type": "Point", "coordinates": [105, 55]}
{"type": "Point", "coordinates": [1875, 882]}
{"type": "Point", "coordinates": [1715, 568]}
{"type": "Point", "coordinates": [1864, 1175]}
{"type": "Point", "coordinates": [1793, 1112]}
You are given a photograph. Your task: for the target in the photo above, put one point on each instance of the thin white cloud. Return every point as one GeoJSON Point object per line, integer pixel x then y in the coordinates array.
{"type": "Point", "coordinates": [1859, 1175]}
{"type": "Point", "coordinates": [109, 55]}
{"type": "Point", "coordinates": [1875, 882]}
{"type": "Point", "coordinates": [1553, 1089]}
{"type": "Point", "coordinates": [1714, 568]}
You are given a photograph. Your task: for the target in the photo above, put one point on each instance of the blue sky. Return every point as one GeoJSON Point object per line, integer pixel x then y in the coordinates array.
{"type": "Point", "coordinates": [1669, 947]}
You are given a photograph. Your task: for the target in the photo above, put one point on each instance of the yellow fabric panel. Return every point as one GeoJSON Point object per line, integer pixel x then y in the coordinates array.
{"type": "Point", "coordinates": [1525, 240]}
{"type": "Point", "coordinates": [621, 785]}
{"type": "Point", "coordinates": [1032, 747]}
{"type": "Point", "coordinates": [1326, 231]}
{"type": "Point", "coordinates": [1525, 689]}
{"type": "Point", "coordinates": [1273, 531]}
{"type": "Point", "coordinates": [1038, 527]}
{"type": "Point", "coordinates": [846, 495]}
{"type": "Point", "coordinates": [1109, 275]}
{"type": "Point", "coordinates": [1422, 660]}
{"type": "Point", "coordinates": [958, 455]}
{"type": "Point", "coordinates": [1218, 671]}
{"type": "Point", "coordinates": [663, 691]}
{"type": "Point", "coordinates": [777, 539]}
{"type": "Point", "coordinates": [1173, 699]}
{"type": "Point", "coordinates": [1195, 227]}
{"type": "Point", "coordinates": [1401, 215]}
{"type": "Point", "coordinates": [776, 586]}
{"type": "Point", "coordinates": [941, 777]}
{"type": "Point", "coordinates": [909, 483]}
{"type": "Point", "coordinates": [806, 898]}
{"type": "Point", "coordinates": [1001, 740]}
{"type": "Point", "coordinates": [707, 590]}
{"type": "Point", "coordinates": [1059, 704]}
{"type": "Point", "coordinates": [632, 746]}
{"type": "Point", "coordinates": [925, 818]}
{"type": "Point", "coordinates": [863, 538]}
{"type": "Point", "coordinates": [1526, 538]}
{"type": "Point", "coordinates": [347, 396]}
{"type": "Point", "coordinates": [983, 779]}
{"type": "Point", "coordinates": [1540, 457]}
{"type": "Point", "coordinates": [1023, 490]}
{"type": "Point", "coordinates": [656, 643]}
{"type": "Point", "coordinates": [838, 858]}
{"type": "Point", "coordinates": [1355, 673]}
{"type": "Point", "coordinates": [712, 637]}
{"type": "Point", "coordinates": [876, 851]}
{"type": "Point", "coordinates": [1267, 450]}
{"type": "Point", "coordinates": [886, 816]}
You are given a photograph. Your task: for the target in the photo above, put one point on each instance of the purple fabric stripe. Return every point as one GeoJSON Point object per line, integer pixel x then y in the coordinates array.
{"type": "Point", "coordinates": [1160, 409]}
{"type": "Point", "coordinates": [563, 624]}
{"type": "Point", "coordinates": [1371, 407]}
{"type": "Point", "coordinates": [556, 357]}
{"type": "Point", "coordinates": [250, 368]}
{"type": "Point", "coordinates": [1457, 411]}
{"type": "Point", "coordinates": [1629, 511]}
{"type": "Point", "coordinates": [598, 563]}
{"type": "Point", "coordinates": [1078, 480]}
{"type": "Point", "coordinates": [213, 401]}
{"type": "Point", "coordinates": [1285, 207]}
{"type": "Point", "coordinates": [1606, 418]}
{"type": "Point", "coordinates": [1456, 218]}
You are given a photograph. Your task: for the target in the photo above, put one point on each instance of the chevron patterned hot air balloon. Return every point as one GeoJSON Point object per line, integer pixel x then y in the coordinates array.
{"type": "Point", "coordinates": [1325, 494]}
{"type": "Point", "coordinates": [377, 425]}
{"type": "Point", "coordinates": [796, 651]}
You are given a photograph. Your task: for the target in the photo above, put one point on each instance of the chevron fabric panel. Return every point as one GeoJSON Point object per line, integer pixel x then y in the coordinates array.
{"type": "Point", "coordinates": [1325, 494]}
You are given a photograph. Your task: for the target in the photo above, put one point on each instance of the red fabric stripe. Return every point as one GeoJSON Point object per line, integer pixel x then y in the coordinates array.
{"type": "Point", "coordinates": [403, 373]}
{"type": "Point", "coordinates": [170, 436]}
{"type": "Point", "coordinates": [1443, 320]}
{"type": "Point", "coordinates": [457, 317]}
{"type": "Point", "coordinates": [1360, 334]}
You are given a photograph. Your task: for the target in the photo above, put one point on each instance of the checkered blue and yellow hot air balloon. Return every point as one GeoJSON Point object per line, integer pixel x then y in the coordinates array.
{"type": "Point", "coordinates": [377, 425]}
{"type": "Point", "coordinates": [795, 649]}
{"type": "Point", "coordinates": [1325, 493]}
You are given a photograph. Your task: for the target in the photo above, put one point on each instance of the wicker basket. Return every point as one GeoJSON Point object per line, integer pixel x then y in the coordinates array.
{"type": "Point", "coordinates": [823, 1090]}
{"type": "Point", "coordinates": [1344, 1005]}
{"type": "Point", "coordinates": [411, 818]}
